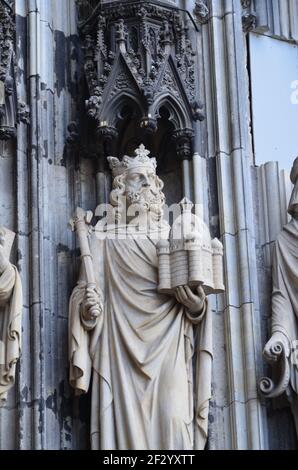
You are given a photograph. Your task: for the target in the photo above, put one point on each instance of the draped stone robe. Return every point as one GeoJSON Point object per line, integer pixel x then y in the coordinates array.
{"type": "Point", "coordinates": [10, 327]}
{"type": "Point", "coordinates": [141, 354]}
{"type": "Point", "coordinates": [285, 296]}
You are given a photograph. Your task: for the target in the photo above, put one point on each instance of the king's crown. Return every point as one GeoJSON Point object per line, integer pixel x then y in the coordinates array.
{"type": "Point", "coordinates": [141, 159]}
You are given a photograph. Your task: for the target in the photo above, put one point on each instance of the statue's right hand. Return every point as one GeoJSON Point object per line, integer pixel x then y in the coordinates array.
{"type": "Point", "coordinates": [92, 304]}
{"type": "Point", "coordinates": [274, 346]}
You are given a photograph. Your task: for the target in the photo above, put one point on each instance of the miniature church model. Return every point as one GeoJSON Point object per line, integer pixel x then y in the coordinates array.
{"type": "Point", "coordinates": [189, 256]}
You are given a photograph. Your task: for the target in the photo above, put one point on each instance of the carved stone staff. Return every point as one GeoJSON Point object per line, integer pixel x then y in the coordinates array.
{"type": "Point", "coordinates": [80, 224]}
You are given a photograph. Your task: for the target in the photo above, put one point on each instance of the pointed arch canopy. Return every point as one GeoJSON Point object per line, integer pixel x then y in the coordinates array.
{"type": "Point", "coordinates": [141, 53]}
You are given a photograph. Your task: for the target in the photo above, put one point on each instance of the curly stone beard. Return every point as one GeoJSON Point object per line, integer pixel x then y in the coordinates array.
{"type": "Point", "coordinates": [148, 202]}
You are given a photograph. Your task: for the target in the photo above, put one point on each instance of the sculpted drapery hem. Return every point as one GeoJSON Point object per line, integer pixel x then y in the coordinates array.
{"type": "Point", "coordinates": [142, 390]}
{"type": "Point", "coordinates": [10, 327]}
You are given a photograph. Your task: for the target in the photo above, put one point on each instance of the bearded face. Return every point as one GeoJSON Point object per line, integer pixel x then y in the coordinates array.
{"type": "Point", "coordinates": [143, 192]}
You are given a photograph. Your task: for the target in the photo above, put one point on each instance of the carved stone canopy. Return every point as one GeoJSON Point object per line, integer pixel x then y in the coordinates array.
{"type": "Point", "coordinates": [12, 111]}
{"type": "Point", "coordinates": [7, 85]}
{"type": "Point", "coordinates": [139, 53]}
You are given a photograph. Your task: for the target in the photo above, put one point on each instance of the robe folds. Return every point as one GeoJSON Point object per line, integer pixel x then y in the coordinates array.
{"type": "Point", "coordinates": [10, 327]}
{"type": "Point", "coordinates": [145, 392]}
{"type": "Point", "coordinates": [285, 289]}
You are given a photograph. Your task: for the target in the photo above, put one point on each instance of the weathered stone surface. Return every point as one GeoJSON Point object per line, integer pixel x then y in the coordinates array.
{"type": "Point", "coordinates": [128, 335]}
{"type": "Point", "coordinates": [282, 346]}
{"type": "Point", "coordinates": [11, 303]}
{"type": "Point", "coordinates": [49, 168]}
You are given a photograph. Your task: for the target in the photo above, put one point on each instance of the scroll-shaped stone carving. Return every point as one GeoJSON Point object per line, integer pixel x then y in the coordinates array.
{"type": "Point", "coordinates": [138, 343]}
{"type": "Point", "coordinates": [282, 348]}
{"type": "Point", "coordinates": [10, 314]}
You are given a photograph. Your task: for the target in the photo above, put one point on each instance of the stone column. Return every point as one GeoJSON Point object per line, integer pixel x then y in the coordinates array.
{"type": "Point", "coordinates": [49, 187]}
{"type": "Point", "coordinates": [183, 139]}
{"type": "Point", "coordinates": [238, 413]}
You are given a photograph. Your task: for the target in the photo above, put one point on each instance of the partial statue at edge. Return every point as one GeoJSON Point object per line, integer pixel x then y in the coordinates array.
{"type": "Point", "coordinates": [10, 315]}
{"type": "Point", "coordinates": [137, 340]}
{"type": "Point", "coordinates": [282, 347]}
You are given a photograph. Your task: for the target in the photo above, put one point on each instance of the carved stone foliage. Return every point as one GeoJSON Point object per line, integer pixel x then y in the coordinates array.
{"type": "Point", "coordinates": [183, 139]}
{"type": "Point", "coordinates": [7, 29]}
{"type": "Point", "coordinates": [85, 8]}
{"type": "Point", "coordinates": [23, 113]}
{"type": "Point", "coordinates": [139, 53]}
{"type": "Point", "coordinates": [248, 15]}
{"type": "Point", "coordinates": [11, 111]}
{"type": "Point", "coordinates": [201, 11]}
{"type": "Point", "coordinates": [6, 37]}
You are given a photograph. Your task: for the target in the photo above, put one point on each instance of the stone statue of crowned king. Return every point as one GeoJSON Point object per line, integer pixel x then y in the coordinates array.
{"type": "Point", "coordinates": [138, 344]}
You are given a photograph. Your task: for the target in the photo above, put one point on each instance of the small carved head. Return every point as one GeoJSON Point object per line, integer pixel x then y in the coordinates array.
{"type": "Point", "coordinates": [136, 186]}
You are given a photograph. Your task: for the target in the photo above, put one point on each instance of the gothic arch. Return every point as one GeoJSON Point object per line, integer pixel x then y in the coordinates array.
{"type": "Point", "coordinates": [178, 114]}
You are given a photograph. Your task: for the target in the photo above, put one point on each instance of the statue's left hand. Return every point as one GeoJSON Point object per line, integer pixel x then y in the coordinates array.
{"type": "Point", "coordinates": [193, 301]}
